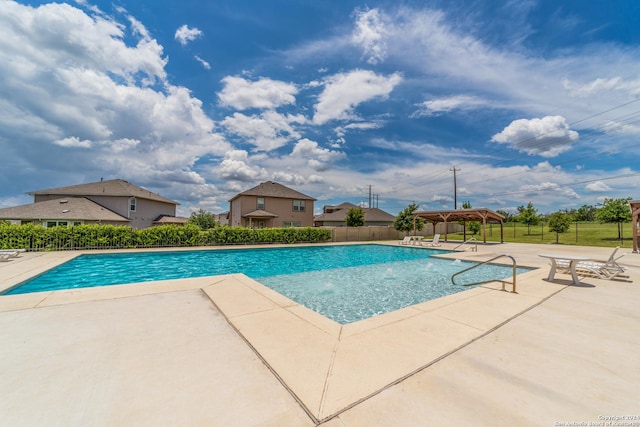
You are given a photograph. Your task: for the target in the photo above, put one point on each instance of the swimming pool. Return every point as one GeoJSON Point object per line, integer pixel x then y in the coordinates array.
{"type": "Point", "coordinates": [343, 282]}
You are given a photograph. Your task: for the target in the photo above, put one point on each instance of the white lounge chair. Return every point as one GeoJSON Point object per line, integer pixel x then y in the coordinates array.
{"type": "Point", "coordinates": [4, 257]}
{"type": "Point", "coordinates": [609, 269]}
{"type": "Point", "coordinates": [406, 240]}
{"type": "Point", "coordinates": [434, 242]}
{"type": "Point", "coordinates": [11, 253]}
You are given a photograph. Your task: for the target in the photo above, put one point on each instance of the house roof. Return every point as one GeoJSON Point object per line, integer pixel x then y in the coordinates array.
{"type": "Point", "coordinates": [340, 214]}
{"type": "Point", "coordinates": [168, 219]}
{"type": "Point", "coordinates": [259, 213]}
{"type": "Point", "coordinates": [273, 189]}
{"type": "Point", "coordinates": [113, 187]}
{"type": "Point", "coordinates": [69, 209]}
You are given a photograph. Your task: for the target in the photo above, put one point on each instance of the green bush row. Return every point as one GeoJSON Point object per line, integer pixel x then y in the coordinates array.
{"type": "Point", "coordinates": [36, 237]}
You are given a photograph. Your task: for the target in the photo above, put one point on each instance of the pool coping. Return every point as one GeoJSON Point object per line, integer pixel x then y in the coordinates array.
{"type": "Point", "coordinates": [327, 367]}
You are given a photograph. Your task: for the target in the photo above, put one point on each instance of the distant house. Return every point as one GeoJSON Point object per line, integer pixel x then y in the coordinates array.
{"type": "Point", "coordinates": [335, 216]}
{"type": "Point", "coordinates": [115, 202]}
{"type": "Point", "coordinates": [269, 205]}
{"type": "Point", "coordinates": [223, 218]}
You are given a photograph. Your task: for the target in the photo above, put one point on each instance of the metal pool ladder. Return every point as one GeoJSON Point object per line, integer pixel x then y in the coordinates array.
{"type": "Point", "coordinates": [513, 283]}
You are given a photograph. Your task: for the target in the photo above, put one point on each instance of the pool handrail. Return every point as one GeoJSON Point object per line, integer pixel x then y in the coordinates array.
{"type": "Point", "coordinates": [474, 248]}
{"type": "Point", "coordinates": [513, 289]}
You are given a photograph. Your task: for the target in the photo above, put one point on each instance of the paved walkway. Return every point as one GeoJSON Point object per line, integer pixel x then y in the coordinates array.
{"type": "Point", "coordinates": [226, 351]}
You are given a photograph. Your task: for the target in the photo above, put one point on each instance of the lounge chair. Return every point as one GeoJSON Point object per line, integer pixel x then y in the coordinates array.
{"type": "Point", "coordinates": [10, 253]}
{"type": "Point", "coordinates": [406, 240]}
{"type": "Point", "coordinates": [4, 257]}
{"type": "Point", "coordinates": [609, 269]}
{"type": "Point", "coordinates": [434, 242]}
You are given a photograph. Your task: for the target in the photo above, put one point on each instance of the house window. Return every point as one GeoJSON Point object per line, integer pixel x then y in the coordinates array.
{"type": "Point", "coordinates": [132, 204]}
{"type": "Point", "coordinates": [298, 205]}
{"type": "Point", "coordinates": [50, 224]}
{"type": "Point", "coordinates": [291, 224]}
{"type": "Point", "coordinates": [260, 203]}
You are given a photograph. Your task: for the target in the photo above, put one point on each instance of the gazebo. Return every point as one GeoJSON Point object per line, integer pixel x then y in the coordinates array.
{"type": "Point", "coordinates": [482, 215]}
{"type": "Point", "coordinates": [635, 221]}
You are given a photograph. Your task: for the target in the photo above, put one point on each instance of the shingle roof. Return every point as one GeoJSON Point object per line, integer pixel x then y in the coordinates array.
{"type": "Point", "coordinates": [370, 214]}
{"type": "Point", "coordinates": [69, 209]}
{"type": "Point", "coordinates": [168, 219]}
{"type": "Point", "coordinates": [113, 187]}
{"type": "Point", "coordinates": [273, 189]}
{"type": "Point", "coordinates": [259, 213]}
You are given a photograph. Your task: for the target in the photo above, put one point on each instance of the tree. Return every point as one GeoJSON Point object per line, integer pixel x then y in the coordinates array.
{"type": "Point", "coordinates": [585, 213]}
{"type": "Point", "coordinates": [559, 222]}
{"type": "Point", "coordinates": [473, 226]}
{"type": "Point", "coordinates": [508, 216]}
{"type": "Point", "coordinates": [203, 219]}
{"type": "Point", "coordinates": [355, 217]}
{"type": "Point", "coordinates": [404, 220]}
{"type": "Point", "coordinates": [529, 216]}
{"type": "Point", "coordinates": [615, 210]}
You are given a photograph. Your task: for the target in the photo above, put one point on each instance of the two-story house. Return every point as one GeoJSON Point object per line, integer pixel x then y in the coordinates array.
{"type": "Point", "coordinates": [115, 202]}
{"type": "Point", "coordinates": [270, 205]}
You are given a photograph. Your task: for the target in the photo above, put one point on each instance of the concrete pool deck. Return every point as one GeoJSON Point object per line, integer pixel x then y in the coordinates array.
{"type": "Point", "coordinates": [226, 350]}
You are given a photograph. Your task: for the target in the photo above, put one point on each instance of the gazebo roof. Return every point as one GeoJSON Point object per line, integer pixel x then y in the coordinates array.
{"type": "Point", "coordinates": [478, 214]}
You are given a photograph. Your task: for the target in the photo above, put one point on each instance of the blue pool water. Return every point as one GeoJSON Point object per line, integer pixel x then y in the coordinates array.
{"type": "Point", "coordinates": [345, 282]}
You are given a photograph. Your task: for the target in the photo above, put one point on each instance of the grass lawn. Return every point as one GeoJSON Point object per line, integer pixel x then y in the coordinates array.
{"type": "Point", "coordinates": [583, 234]}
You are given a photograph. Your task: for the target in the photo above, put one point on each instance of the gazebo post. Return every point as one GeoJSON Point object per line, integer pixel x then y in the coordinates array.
{"type": "Point", "coordinates": [464, 231]}
{"type": "Point", "coordinates": [484, 230]}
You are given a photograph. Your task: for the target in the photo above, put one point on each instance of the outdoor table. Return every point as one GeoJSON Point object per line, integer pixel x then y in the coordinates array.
{"type": "Point", "coordinates": [573, 262]}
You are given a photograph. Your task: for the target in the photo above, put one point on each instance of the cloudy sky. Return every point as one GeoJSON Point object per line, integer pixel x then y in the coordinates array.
{"type": "Point", "coordinates": [528, 101]}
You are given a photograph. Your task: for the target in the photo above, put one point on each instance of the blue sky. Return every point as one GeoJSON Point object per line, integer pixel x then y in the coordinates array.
{"type": "Point", "coordinates": [529, 101]}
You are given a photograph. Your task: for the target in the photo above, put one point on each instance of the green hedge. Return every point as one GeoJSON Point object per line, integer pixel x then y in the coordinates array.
{"type": "Point", "coordinates": [38, 238]}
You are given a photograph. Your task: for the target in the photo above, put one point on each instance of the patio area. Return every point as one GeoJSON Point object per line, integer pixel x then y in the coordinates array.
{"type": "Point", "coordinates": [225, 350]}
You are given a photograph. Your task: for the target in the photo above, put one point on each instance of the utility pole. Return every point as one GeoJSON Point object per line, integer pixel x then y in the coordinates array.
{"type": "Point", "coordinates": [369, 196]}
{"type": "Point", "coordinates": [455, 188]}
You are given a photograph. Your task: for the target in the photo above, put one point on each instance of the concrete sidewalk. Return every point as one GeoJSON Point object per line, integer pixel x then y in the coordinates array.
{"type": "Point", "coordinates": [227, 351]}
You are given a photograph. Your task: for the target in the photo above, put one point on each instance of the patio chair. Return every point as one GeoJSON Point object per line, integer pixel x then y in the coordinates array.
{"type": "Point", "coordinates": [9, 253]}
{"type": "Point", "coordinates": [609, 269]}
{"type": "Point", "coordinates": [4, 257]}
{"type": "Point", "coordinates": [406, 240]}
{"type": "Point", "coordinates": [434, 242]}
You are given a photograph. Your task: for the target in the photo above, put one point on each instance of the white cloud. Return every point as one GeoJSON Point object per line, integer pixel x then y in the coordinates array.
{"type": "Point", "coordinates": [602, 85]}
{"type": "Point", "coordinates": [288, 178]}
{"type": "Point", "coordinates": [345, 91]}
{"type": "Point", "coordinates": [267, 131]}
{"type": "Point", "coordinates": [184, 34]}
{"type": "Point", "coordinates": [369, 33]}
{"type": "Point", "coordinates": [547, 137]}
{"type": "Point", "coordinates": [236, 166]}
{"type": "Point", "coordinates": [445, 105]}
{"type": "Point", "coordinates": [442, 200]}
{"type": "Point", "coordinates": [73, 141]}
{"type": "Point", "coordinates": [204, 63]}
{"type": "Point", "coordinates": [546, 187]}
{"type": "Point", "coordinates": [317, 157]}
{"type": "Point", "coordinates": [597, 186]}
{"type": "Point", "coordinates": [613, 127]}
{"type": "Point", "coordinates": [264, 93]}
